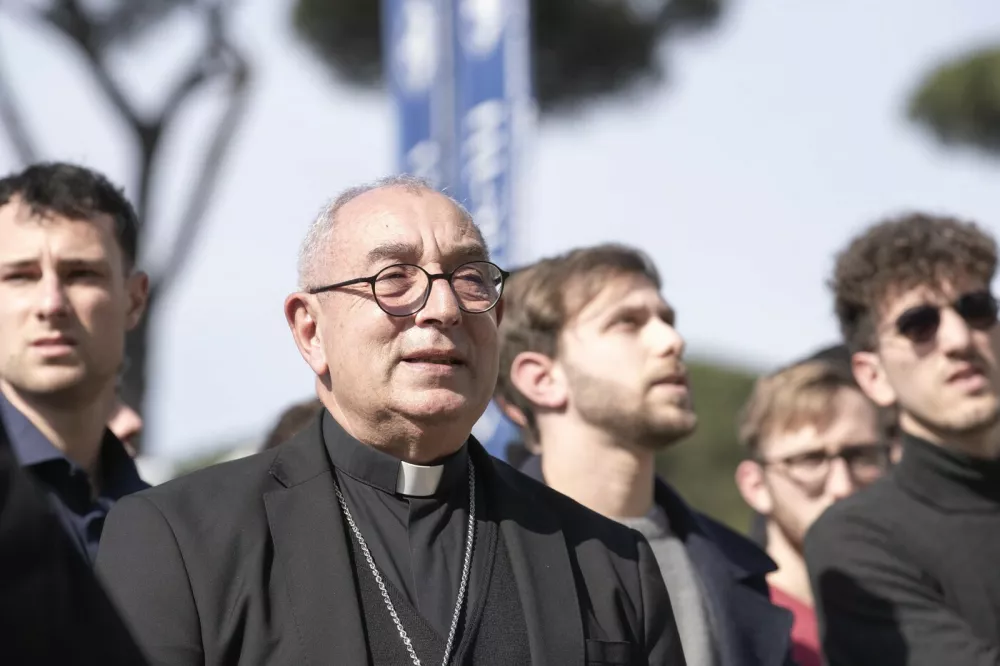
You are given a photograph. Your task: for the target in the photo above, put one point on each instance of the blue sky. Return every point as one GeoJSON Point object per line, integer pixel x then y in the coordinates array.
{"type": "Point", "coordinates": [778, 136]}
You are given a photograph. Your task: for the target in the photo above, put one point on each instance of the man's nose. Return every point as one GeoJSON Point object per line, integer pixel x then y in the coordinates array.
{"type": "Point", "coordinates": [840, 483]}
{"type": "Point", "coordinates": [665, 338]}
{"type": "Point", "coordinates": [442, 307]}
{"type": "Point", "coordinates": [954, 333]}
{"type": "Point", "coordinates": [52, 301]}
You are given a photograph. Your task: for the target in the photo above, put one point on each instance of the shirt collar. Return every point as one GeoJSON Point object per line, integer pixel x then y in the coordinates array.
{"type": "Point", "coordinates": [30, 446]}
{"type": "Point", "coordinates": [386, 473]}
{"type": "Point", "coordinates": [947, 478]}
{"type": "Point", "coordinates": [118, 471]}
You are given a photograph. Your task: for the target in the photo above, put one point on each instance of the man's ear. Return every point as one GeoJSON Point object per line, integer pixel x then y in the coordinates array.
{"type": "Point", "coordinates": [870, 374]}
{"type": "Point", "coordinates": [137, 289]}
{"type": "Point", "coordinates": [300, 313]}
{"type": "Point", "coordinates": [540, 380]}
{"type": "Point", "coordinates": [750, 482]}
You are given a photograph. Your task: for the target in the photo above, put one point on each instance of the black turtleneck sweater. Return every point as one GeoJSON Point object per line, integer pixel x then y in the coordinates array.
{"type": "Point", "coordinates": [907, 572]}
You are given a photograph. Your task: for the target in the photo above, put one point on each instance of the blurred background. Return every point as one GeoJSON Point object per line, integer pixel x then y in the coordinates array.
{"type": "Point", "coordinates": [740, 143]}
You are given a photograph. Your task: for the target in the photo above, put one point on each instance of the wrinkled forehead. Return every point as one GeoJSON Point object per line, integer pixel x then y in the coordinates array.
{"type": "Point", "coordinates": [396, 225]}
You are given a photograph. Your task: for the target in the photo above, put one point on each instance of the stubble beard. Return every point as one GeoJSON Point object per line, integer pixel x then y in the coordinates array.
{"type": "Point", "coordinates": [974, 421]}
{"type": "Point", "coordinates": [602, 405]}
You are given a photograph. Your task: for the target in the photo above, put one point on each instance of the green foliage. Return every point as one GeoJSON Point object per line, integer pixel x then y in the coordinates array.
{"type": "Point", "coordinates": [583, 49]}
{"type": "Point", "coordinates": [959, 102]}
{"type": "Point", "coordinates": [701, 467]}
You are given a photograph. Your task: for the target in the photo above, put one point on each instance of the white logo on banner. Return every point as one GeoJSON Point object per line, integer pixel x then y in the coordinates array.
{"type": "Point", "coordinates": [483, 25]}
{"type": "Point", "coordinates": [486, 160]}
{"type": "Point", "coordinates": [423, 161]}
{"type": "Point", "coordinates": [417, 48]}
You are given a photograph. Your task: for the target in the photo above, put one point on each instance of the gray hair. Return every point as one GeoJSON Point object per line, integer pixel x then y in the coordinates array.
{"type": "Point", "coordinates": [318, 236]}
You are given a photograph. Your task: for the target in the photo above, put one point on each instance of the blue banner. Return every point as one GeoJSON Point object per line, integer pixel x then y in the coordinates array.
{"type": "Point", "coordinates": [416, 43]}
{"type": "Point", "coordinates": [459, 74]}
{"type": "Point", "coordinates": [492, 100]}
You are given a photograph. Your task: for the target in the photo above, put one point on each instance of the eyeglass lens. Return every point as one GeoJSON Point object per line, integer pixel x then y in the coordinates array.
{"type": "Point", "coordinates": [920, 324]}
{"type": "Point", "coordinates": [403, 289]}
{"type": "Point", "coordinates": [865, 463]}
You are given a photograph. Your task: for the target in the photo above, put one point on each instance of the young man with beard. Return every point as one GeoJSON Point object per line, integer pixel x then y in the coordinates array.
{"type": "Point", "coordinates": [591, 357]}
{"type": "Point", "coordinates": [905, 572]}
{"type": "Point", "coordinates": [812, 438]}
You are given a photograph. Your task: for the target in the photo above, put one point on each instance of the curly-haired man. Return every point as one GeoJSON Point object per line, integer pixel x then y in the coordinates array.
{"type": "Point", "coordinates": [908, 570]}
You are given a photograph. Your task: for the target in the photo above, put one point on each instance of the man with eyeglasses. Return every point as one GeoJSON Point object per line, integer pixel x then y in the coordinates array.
{"type": "Point", "coordinates": [812, 438]}
{"type": "Point", "coordinates": [907, 571]}
{"type": "Point", "coordinates": [384, 533]}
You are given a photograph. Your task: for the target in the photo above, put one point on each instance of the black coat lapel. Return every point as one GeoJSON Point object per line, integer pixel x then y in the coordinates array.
{"type": "Point", "coordinates": [309, 540]}
{"type": "Point", "coordinates": [752, 630]}
{"type": "Point", "coordinates": [541, 565]}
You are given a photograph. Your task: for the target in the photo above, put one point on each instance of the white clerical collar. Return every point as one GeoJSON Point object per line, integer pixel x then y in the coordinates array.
{"type": "Point", "coordinates": [418, 480]}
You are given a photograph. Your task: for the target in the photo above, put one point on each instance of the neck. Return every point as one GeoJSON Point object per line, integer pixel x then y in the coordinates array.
{"type": "Point", "coordinates": [981, 443]}
{"type": "Point", "coordinates": [613, 478]}
{"type": "Point", "coordinates": [75, 429]}
{"type": "Point", "coordinates": [404, 439]}
{"type": "Point", "coordinates": [792, 577]}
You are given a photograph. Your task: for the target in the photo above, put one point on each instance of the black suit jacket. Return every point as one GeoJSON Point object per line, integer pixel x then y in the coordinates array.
{"type": "Point", "coordinates": [732, 569]}
{"type": "Point", "coordinates": [52, 609]}
{"type": "Point", "coordinates": [248, 563]}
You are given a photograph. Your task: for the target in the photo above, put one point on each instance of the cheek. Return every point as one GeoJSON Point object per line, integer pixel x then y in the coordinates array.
{"type": "Point", "coordinates": [98, 309]}
{"type": "Point", "coordinates": [483, 332]}
{"type": "Point", "coordinates": [909, 378]}
{"type": "Point", "coordinates": [989, 350]}
{"type": "Point", "coordinates": [363, 344]}
{"type": "Point", "coordinates": [799, 508]}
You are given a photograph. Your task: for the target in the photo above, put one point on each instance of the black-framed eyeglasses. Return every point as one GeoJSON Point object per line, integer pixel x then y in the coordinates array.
{"type": "Point", "coordinates": [920, 324]}
{"type": "Point", "coordinates": [403, 289]}
{"type": "Point", "coordinates": [811, 469]}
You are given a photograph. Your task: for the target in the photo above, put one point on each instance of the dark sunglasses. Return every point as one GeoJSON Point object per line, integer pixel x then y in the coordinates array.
{"type": "Point", "coordinates": [920, 324]}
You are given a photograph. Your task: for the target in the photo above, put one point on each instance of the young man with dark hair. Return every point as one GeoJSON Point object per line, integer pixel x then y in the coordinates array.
{"type": "Point", "coordinates": [905, 572]}
{"type": "Point", "coordinates": [591, 356]}
{"type": "Point", "coordinates": [69, 292]}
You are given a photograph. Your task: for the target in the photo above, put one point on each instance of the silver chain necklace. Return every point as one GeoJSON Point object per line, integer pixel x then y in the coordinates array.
{"type": "Point", "coordinates": [466, 565]}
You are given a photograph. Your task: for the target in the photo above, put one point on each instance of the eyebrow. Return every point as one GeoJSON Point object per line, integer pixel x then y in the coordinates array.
{"type": "Point", "coordinates": [664, 311]}
{"type": "Point", "coordinates": [399, 251]}
{"type": "Point", "coordinates": [18, 263]}
{"type": "Point", "coordinates": [77, 262]}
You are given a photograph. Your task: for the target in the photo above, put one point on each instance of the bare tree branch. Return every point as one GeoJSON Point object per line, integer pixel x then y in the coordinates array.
{"type": "Point", "coordinates": [225, 56]}
{"type": "Point", "coordinates": [13, 124]}
{"type": "Point", "coordinates": [211, 167]}
{"type": "Point", "coordinates": [218, 60]}
{"type": "Point", "coordinates": [69, 18]}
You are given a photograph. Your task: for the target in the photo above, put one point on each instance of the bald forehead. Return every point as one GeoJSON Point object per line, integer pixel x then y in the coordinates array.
{"type": "Point", "coordinates": [406, 224]}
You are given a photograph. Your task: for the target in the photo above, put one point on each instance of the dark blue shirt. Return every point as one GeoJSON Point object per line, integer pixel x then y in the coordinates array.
{"type": "Point", "coordinates": [67, 483]}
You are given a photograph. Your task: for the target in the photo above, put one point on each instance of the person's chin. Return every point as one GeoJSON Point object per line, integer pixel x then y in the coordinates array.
{"type": "Point", "coordinates": [978, 412]}
{"type": "Point", "coordinates": [54, 379]}
{"type": "Point", "coordinates": [436, 403]}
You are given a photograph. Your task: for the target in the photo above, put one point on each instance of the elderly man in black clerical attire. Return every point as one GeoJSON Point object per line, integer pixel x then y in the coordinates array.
{"type": "Point", "coordinates": [383, 533]}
